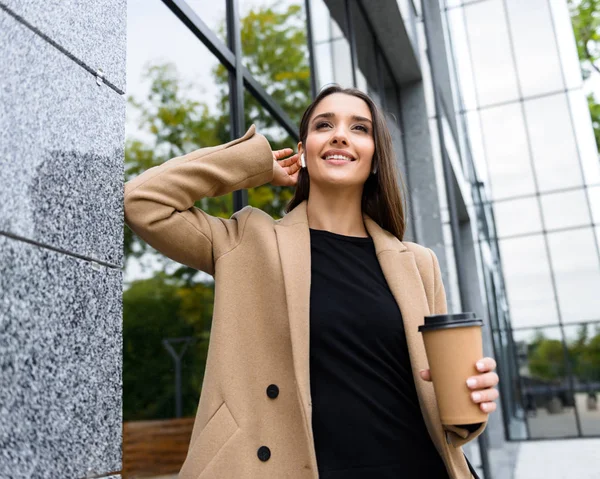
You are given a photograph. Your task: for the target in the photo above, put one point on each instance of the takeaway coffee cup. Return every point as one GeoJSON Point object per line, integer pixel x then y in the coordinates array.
{"type": "Point", "coordinates": [453, 345]}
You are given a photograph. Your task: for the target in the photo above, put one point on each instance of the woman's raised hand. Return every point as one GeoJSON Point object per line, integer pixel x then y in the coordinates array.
{"type": "Point", "coordinates": [285, 168]}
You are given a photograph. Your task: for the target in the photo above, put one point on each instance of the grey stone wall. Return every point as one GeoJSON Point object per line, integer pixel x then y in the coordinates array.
{"type": "Point", "coordinates": [61, 225]}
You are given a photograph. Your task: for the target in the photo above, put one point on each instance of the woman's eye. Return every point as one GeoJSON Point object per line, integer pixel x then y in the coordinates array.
{"type": "Point", "coordinates": [363, 128]}
{"type": "Point", "coordinates": [322, 124]}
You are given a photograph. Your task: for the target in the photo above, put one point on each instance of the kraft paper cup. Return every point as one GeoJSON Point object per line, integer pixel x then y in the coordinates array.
{"type": "Point", "coordinates": [453, 344]}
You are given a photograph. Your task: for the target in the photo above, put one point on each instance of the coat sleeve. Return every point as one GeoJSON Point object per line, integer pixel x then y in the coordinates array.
{"type": "Point", "coordinates": [458, 435]}
{"type": "Point", "coordinates": [159, 203]}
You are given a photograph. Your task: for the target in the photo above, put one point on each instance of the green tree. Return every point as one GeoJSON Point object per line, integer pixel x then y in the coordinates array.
{"type": "Point", "coordinates": [546, 358]}
{"type": "Point", "coordinates": [585, 17]}
{"type": "Point", "coordinates": [590, 359]}
{"type": "Point", "coordinates": [155, 309]}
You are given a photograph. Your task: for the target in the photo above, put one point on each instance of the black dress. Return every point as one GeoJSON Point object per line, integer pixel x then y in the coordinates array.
{"type": "Point", "coordinates": [366, 418]}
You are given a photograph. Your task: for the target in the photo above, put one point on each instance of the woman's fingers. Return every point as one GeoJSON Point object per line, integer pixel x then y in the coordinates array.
{"type": "Point", "coordinates": [483, 381]}
{"type": "Point", "coordinates": [280, 154]}
{"type": "Point", "coordinates": [485, 365]}
{"type": "Point", "coordinates": [488, 406]}
{"type": "Point", "coordinates": [485, 395]}
{"type": "Point", "coordinates": [289, 161]}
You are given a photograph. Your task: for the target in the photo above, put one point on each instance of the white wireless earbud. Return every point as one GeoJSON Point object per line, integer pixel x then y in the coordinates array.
{"type": "Point", "coordinates": [302, 161]}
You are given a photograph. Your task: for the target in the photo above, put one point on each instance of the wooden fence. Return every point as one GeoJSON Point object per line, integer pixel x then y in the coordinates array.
{"type": "Point", "coordinates": [155, 448]}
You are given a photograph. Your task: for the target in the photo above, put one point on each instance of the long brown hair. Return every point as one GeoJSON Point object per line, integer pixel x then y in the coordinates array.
{"type": "Point", "coordinates": [382, 198]}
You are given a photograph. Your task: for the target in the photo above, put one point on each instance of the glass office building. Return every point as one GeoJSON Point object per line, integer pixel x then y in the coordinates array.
{"type": "Point", "coordinates": [494, 142]}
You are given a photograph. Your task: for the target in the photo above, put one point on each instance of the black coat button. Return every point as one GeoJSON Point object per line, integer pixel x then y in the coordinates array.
{"type": "Point", "coordinates": [264, 453]}
{"type": "Point", "coordinates": [273, 391]}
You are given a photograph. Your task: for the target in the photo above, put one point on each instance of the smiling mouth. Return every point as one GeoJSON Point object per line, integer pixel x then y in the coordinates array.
{"type": "Point", "coordinates": [339, 157]}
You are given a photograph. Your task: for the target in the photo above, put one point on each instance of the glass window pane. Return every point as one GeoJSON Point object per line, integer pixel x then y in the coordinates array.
{"type": "Point", "coordinates": [438, 165]}
{"type": "Point", "coordinates": [584, 133]}
{"type": "Point", "coordinates": [553, 143]}
{"type": "Point", "coordinates": [475, 135]}
{"type": "Point", "coordinates": [274, 43]}
{"type": "Point", "coordinates": [563, 210]}
{"type": "Point", "coordinates": [179, 101]}
{"type": "Point", "coordinates": [594, 199]}
{"type": "Point", "coordinates": [545, 391]}
{"type": "Point", "coordinates": [577, 274]}
{"type": "Point", "coordinates": [462, 56]}
{"type": "Point", "coordinates": [534, 46]}
{"type": "Point", "coordinates": [507, 151]}
{"type": "Point", "coordinates": [493, 65]}
{"type": "Point", "coordinates": [451, 280]}
{"type": "Point", "coordinates": [516, 217]}
{"type": "Point", "coordinates": [212, 13]}
{"type": "Point", "coordinates": [566, 43]}
{"type": "Point", "coordinates": [426, 71]}
{"type": "Point", "coordinates": [271, 199]}
{"type": "Point", "coordinates": [584, 350]}
{"type": "Point", "coordinates": [332, 50]}
{"type": "Point", "coordinates": [528, 281]}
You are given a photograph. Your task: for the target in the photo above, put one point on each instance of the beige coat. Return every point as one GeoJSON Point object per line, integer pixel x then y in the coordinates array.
{"type": "Point", "coordinates": [260, 328]}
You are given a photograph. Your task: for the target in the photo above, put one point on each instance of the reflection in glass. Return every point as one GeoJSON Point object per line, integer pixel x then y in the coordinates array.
{"type": "Point", "coordinates": [332, 50]}
{"type": "Point", "coordinates": [546, 397]}
{"type": "Point", "coordinates": [176, 105]}
{"type": "Point", "coordinates": [493, 65]}
{"type": "Point", "coordinates": [507, 151]}
{"type": "Point", "coordinates": [275, 51]}
{"type": "Point", "coordinates": [577, 274]}
{"type": "Point", "coordinates": [583, 342]}
{"type": "Point", "coordinates": [564, 210]}
{"type": "Point", "coordinates": [534, 47]}
{"type": "Point", "coordinates": [515, 217]}
{"type": "Point", "coordinates": [553, 143]}
{"type": "Point", "coordinates": [528, 281]}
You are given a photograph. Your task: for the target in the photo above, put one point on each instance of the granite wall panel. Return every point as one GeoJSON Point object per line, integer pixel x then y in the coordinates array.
{"type": "Point", "coordinates": [60, 364]}
{"type": "Point", "coordinates": [61, 147]}
{"type": "Point", "coordinates": [93, 32]}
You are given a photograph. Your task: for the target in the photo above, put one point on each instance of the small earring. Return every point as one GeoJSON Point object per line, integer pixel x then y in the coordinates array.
{"type": "Point", "coordinates": [374, 170]}
{"type": "Point", "coordinates": [302, 161]}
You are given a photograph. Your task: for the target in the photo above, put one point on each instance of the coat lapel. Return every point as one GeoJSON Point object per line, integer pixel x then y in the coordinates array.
{"type": "Point", "coordinates": [293, 239]}
{"type": "Point", "coordinates": [404, 280]}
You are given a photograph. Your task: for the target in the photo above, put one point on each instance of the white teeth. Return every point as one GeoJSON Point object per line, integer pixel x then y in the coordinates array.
{"type": "Point", "coordinates": [338, 157]}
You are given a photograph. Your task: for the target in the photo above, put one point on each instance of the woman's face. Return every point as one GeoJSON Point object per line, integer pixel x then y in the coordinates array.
{"type": "Point", "coordinates": [340, 145]}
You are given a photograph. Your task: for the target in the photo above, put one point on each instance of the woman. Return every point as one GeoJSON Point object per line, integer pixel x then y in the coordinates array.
{"type": "Point", "coordinates": [315, 366]}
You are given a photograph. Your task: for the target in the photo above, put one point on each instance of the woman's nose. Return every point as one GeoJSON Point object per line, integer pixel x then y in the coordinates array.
{"type": "Point", "coordinates": [339, 137]}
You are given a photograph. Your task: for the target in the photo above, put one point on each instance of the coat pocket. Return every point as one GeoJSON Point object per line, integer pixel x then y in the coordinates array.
{"type": "Point", "coordinates": [220, 427]}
